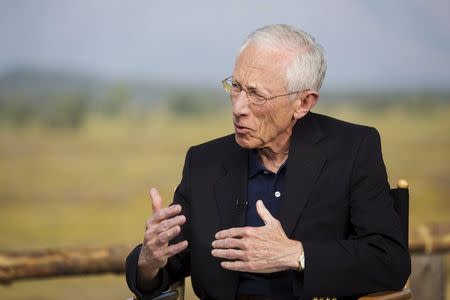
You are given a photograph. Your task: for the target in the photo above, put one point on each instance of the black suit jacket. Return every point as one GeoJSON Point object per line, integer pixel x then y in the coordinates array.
{"type": "Point", "coordinates": [337, 204]}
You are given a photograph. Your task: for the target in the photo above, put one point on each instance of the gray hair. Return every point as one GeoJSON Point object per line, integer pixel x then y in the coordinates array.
{"type": "Point", "coordinates": [308, 66]}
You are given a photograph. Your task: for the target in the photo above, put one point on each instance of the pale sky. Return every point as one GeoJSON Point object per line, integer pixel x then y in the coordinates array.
{"type": "Point", "coordinates": [369, 44]}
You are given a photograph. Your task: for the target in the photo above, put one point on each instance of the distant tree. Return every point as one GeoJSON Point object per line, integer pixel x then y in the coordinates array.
{"type": "Point", "coordinates": [68, 111]}
{"type": "Point", "coordinates": [193, 102]}
{"type": "Point", "coordinates": [16, 110]}
{"type": "Point", "coordinates": [116, 100]}
{"type": "Point", "coordinates": [184, 103]}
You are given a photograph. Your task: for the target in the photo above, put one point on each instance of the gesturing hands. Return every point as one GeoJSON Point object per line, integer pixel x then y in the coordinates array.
{"type": "Point", "coordinates": [163, 226]}
{"type": "Point", "coordinates": [263, 249]}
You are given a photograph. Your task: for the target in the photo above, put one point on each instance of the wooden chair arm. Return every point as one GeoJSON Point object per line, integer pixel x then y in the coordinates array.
{"type": "Point", "coordinates": [176, 292]}
{"type": "Point", "coordinates": [169, 295]}
{"type": "Point", "coordinates": [394, 295]}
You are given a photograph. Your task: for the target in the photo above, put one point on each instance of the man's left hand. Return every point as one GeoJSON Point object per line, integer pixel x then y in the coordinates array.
{"type": "Point", "coordinates": [264, 249]}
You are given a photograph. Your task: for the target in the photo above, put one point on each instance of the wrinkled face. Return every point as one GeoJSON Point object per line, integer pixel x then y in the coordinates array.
{"type": "Point", "coordinates": [263, 71]}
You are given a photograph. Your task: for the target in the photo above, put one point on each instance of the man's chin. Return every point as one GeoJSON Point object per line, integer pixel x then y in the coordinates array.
{"type": "Point", "coordinates": [245, 142]}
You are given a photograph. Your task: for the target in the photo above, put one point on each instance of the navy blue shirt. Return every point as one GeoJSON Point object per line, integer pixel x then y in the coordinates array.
{"type": "Point", "coordinates": [269, 187]}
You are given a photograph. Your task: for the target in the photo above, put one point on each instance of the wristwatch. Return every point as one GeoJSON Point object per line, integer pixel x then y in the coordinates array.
{"type": "Point", "coordinates": [301, 262]}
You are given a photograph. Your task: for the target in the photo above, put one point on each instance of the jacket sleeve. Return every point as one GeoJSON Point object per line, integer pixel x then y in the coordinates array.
{"type": "Point", "coordinates": [178, 266]}
{"type": "Point", "coordinates": [375, 256]}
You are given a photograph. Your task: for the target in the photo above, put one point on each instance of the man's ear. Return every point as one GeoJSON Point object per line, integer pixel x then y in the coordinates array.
{"type": "Point", "coordinates": [305, 103]}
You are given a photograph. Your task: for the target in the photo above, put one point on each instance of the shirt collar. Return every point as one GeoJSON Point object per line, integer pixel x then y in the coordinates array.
{"type": "Point", "coordinates": [254, 165]}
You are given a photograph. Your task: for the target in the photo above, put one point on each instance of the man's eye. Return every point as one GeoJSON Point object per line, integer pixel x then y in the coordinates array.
{"type": "Point", "coordinates": [235, 86]}
{"type": "Point", "coordinates": [258, 96]}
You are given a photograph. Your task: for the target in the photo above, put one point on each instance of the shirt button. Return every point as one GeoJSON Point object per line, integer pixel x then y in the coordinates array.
{"type": "Point", "coordinates": [265, 172]}
{"type": "Point", "coordinates": [277, 194]}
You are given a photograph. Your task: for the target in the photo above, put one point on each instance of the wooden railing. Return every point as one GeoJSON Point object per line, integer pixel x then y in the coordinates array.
{"type": "Point", "coordinates": [20, 265]}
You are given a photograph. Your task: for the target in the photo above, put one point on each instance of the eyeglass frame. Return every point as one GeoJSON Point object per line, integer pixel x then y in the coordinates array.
{"type": "Point", "coordinates": [225, 83]}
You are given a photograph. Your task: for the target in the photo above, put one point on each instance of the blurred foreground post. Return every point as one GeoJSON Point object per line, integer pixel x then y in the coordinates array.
{"type": "Point", "coordinates": [429, 243]}
{"type": "Point", "coordinates": [16, 265]}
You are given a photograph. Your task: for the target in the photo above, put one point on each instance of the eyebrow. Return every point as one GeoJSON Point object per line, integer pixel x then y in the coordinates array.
{"type": "Point", "coordinates": [259, 90]}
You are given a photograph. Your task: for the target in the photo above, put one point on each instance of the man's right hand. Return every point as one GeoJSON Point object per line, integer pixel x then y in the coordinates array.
{"type": "Point", "coordinates": [163, 226]}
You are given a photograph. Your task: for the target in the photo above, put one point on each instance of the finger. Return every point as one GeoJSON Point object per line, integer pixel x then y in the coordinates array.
{"type": "Point", "coordinates": [156, 200]}
{"type": "Point", "coordinates": [167, 235]}
{"type": "Point", "coordinates": [228, 253]}
{"type": "Point", "coordinates": [234, 232]}
{"type": "Point", "coordinates": [264, 213]}
{"type": "Point", "coordinates": [229, 243]}
{"type": "Point", "coordinates": [176, 248]}
{"type": "Point", "coordinates": [167, 224]}
{"type": "Point", "coordinates": [163, 231]}
{"type": "Point", "coordinates": [235, 266]}
{"type": "Point", "coordinates": [166, 213]}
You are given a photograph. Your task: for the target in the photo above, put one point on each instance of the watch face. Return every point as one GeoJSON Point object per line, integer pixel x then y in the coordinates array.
{"type": "Point", "coordinates": [301, 262]}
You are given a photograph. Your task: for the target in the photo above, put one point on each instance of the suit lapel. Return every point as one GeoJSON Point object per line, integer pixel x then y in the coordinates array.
{"type": "Point", "coordinates": [231, 196]}
{"type": "Point", "coordinates": [231, 189]}
{"type": "Point", "coordinates": [307, 157]}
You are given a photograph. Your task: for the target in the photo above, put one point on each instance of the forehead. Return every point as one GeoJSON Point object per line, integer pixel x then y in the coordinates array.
{"type": "Point", "coordinates": [261, 65]}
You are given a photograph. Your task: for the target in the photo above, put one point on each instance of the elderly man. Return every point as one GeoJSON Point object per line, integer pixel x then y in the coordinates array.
{"type": "Point", "coordinates": [292, 205]}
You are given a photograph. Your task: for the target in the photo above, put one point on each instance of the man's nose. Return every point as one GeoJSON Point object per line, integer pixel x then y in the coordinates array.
{"type": "Point", "coordinates": [240, 104]}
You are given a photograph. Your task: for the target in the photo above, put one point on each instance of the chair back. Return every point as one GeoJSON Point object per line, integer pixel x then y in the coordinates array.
{"type": "Point", "coordinates": [401, 205]}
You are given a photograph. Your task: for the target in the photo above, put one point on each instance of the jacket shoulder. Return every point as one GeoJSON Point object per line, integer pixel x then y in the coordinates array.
{"type": "Point", "coordinates": [217, 144]}
{"type": "Point", "coordinates": [342, 129]}
{"type": "Point", "coordinates": [215, 150]}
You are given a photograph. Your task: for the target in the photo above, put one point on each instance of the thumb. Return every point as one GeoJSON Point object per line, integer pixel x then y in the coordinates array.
{"type": "Point", "coordinates": [263, 212]}
{"type": "Point", "coordinates": [156, 200]}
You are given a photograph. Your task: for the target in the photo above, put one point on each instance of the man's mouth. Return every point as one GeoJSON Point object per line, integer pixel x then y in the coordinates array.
{"type": "Point", "coordinates": [241, 129]}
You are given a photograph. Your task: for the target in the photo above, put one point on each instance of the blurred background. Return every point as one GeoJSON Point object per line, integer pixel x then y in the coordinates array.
{"type": "Point", "coordinates": [99, 101]}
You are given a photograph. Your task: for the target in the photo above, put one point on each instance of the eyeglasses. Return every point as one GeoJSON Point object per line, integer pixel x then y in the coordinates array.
{"type": "Point", "coordinates": [234, 89]}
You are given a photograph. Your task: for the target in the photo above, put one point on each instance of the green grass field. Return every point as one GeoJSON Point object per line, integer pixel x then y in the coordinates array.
{"type": "Point", "coordinates": [89, 187]}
